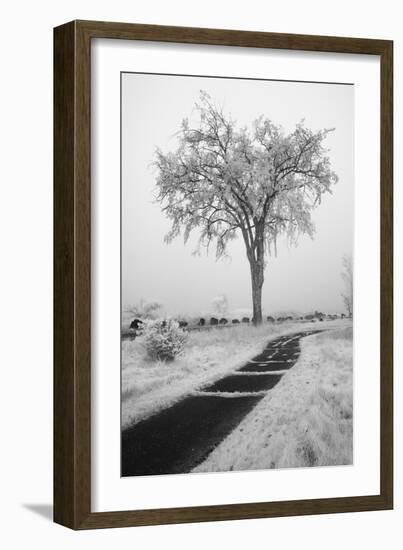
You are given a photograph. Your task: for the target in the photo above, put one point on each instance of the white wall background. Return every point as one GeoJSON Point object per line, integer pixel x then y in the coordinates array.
{"type": "Point", "coordinates": [26, 271]}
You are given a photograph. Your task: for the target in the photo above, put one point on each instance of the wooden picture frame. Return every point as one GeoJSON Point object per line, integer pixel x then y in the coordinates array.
{"type": "Point", "coordinates": [72, 271]}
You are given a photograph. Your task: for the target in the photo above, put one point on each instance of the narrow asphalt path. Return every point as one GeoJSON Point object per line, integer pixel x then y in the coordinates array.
{"type": "Point", "coordinates": [179, 438]}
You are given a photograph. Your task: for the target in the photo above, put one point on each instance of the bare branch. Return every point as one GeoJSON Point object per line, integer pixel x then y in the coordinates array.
{"type": "Point", "coordinates": [262, 181]}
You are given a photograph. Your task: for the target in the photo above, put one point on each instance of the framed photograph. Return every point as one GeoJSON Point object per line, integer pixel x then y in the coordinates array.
{"type": "Point", "coordinates": [223, 332]}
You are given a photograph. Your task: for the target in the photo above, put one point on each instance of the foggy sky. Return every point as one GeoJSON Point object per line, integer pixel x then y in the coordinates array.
{"type": "Point", "coordinates": [302, 278]}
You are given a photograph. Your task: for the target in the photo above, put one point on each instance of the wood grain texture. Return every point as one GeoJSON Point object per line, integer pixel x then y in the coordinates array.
{"type": "Point", "coordinates": [72, 269]}
{"type": "Point", "coordinates": [386, 358]}
{"type": "Point", "coordinates": [221, 37]}
{"type": "Point", "coordinates": [64, 381]}
{"type": "Point", "coordinates": [72, 292]}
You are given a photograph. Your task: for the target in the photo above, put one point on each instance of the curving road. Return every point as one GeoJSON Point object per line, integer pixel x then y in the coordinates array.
{"type": "Point", "coordinates": [179, 438]}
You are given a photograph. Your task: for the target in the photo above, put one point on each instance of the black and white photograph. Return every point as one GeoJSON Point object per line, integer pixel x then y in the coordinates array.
{"type": "Point", "coordinates": [199, 219]}
{"type": "Point", "coordinates": [237, 230]}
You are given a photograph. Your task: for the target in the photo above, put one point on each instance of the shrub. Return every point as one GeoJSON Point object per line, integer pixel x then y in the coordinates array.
{"type": "Point", "coordinates": [164, 339]}
{"type": "Point", "coordinates": [146, 309]}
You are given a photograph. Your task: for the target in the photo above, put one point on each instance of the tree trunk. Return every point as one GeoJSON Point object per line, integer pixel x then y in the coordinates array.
{"type": "Point", "coordinates": [256, 269]}
{"type": "Point", "coordinates": [255, 254]}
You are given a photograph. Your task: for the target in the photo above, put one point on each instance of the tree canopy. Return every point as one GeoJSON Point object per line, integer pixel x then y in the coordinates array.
{"type": "Point", "coordinates": [260, 182]}
{"type": "Point", "coordinates": [222, 179]}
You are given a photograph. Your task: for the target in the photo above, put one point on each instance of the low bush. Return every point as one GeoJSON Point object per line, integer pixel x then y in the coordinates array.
{"type": "Point", "coordinates": [164, 339]}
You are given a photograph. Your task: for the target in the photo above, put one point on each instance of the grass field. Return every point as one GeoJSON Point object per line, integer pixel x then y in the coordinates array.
{"type": "Point", "coordinates": [149, 386]}
{"type": "Point", "coordinates": [306, 420]}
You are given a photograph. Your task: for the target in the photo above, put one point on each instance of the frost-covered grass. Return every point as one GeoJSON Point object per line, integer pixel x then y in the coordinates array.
{"type": "Point", "coordinates": [151, 385]}
{"type": "Point", "coordinates": [306, 420]}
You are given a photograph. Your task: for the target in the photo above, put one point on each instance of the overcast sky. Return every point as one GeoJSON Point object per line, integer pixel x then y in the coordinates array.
{"type": "Point", "coordinates": [302, 278]}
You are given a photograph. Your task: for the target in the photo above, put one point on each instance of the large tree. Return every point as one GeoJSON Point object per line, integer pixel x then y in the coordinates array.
{"type": "Point", "coordinates": [347, 276]}
{"type": "Point", "coordinates": [259, 182]}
